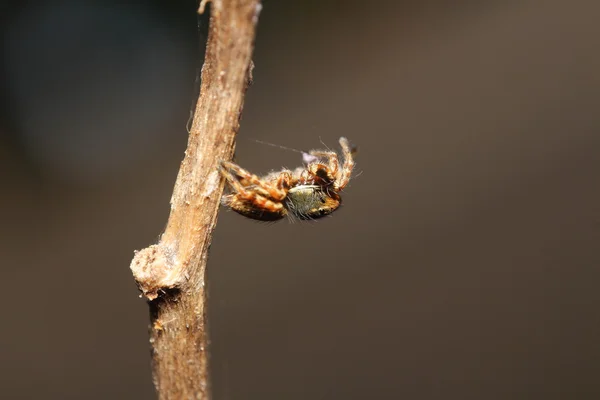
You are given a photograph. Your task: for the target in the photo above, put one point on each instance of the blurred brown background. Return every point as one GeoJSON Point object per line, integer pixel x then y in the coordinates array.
{"type": "Point", "coordinates": [464, 263]}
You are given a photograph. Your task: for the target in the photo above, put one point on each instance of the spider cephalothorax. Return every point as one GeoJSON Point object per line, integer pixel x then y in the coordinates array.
{"type": "Point", "coordinates": [309, 192]}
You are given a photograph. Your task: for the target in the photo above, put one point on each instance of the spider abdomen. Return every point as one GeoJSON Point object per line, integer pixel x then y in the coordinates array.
{"type": "Point", "coordinates": [311, 201]}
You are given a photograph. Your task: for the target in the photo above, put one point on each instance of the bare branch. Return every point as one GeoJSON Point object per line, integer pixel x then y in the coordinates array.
{"type": "Point", "coordinates": [171, 274]}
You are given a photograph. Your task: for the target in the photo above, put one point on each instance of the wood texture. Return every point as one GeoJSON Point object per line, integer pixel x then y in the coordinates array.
{"type": "Point", "coordinates": [171, 273]}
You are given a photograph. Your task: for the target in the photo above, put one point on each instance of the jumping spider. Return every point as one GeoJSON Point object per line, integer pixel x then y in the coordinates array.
{"type": "Point", "coordinates": [309, 192]}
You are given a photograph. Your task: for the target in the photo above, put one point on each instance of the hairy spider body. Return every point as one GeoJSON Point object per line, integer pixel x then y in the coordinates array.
{"type": "Point", "coordinates": [311, 201]}
{"type": "Point", "coordinates": [309, 192]}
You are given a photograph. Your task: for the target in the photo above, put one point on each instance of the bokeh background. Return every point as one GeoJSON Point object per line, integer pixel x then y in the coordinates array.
{"type": "Point", "coordinates": [464, 263]}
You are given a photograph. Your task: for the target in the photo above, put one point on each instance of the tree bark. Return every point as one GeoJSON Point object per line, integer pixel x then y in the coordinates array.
{"type": "Point", "coordinates": [171, 274]}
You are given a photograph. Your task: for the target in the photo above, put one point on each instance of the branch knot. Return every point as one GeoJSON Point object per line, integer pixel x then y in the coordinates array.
{"type": "Point", "coordinates": [155, 271]}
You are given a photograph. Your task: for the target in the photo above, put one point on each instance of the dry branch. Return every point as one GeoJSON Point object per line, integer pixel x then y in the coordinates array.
{"type": "Point", "coordinates": [171, 274]}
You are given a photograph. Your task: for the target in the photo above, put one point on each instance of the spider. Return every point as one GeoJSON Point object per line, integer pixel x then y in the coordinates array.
{"type": "Point", "coordinates": [309, 192]}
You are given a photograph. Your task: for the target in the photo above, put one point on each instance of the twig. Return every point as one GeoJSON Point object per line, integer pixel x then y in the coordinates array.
{"type": "Point", "coordinates": [171, 274]}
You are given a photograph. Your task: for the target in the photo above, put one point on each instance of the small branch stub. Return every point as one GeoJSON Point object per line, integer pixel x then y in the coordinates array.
{"type": "Point", "coordinates": [171, 273]}
{"type": "Point", "coordinates": [155, 270]}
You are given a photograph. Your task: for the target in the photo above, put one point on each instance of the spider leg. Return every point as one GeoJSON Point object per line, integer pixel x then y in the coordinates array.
{"type": "Point", "coordinates": [234, 183]}
{"type": "Point", "coordinates": [346, 170]}
{"type": "Point", "coordinates": [332, 162]}
{"type": "Point", "coordinates": [284, 181]}
{"type": "Point", "coordinates": [277, 191]}
{"type": "Point", "coordinates": [248, 201]}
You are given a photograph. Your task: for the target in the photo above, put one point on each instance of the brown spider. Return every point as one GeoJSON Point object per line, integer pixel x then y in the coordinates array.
{"type": "Point", "coordinates": [309, 192]}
